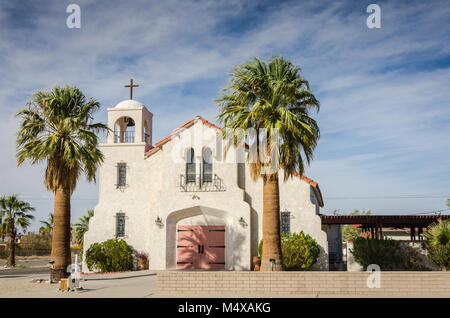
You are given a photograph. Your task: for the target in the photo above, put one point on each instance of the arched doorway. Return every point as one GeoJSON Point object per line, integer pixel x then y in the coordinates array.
{"type": "Point", "coordinates": [209, 239]}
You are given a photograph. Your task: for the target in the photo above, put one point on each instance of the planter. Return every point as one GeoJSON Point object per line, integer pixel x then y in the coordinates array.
{"type": "Point", "coordinates": [256, 263]}
{"type": "Point", "coordinates": [142, 263]}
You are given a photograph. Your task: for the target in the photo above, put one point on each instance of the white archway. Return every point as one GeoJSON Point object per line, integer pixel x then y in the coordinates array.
{"type": "Point", "coordinates": [237, 237]}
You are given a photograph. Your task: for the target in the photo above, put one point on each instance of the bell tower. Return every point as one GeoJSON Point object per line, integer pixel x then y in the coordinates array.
{"type": "Point", "coordinates": [130, 122]}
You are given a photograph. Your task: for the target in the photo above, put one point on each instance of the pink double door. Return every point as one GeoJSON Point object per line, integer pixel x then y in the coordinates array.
{"type": "Point", "coordinates": [201, 247]}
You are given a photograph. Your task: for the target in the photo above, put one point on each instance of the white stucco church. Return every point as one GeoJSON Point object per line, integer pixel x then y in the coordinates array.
{"type": "Point", "coordinates": [183, 202]}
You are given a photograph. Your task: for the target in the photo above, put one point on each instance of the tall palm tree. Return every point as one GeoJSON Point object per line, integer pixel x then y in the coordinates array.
{"type": "Point", "coordinates": [81, 227]}
{"type": "Point", "coordinates": [57, 128]}
{"type": "Point", "coordinates": [14, 213]}
{"type": "Point", "coordinates": [272, 95]}
{"type": "Point", "coordinates": [47, 227]}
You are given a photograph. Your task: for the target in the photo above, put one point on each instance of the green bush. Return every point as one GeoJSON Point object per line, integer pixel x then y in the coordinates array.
{"type": "Point", "coordinates": [110, 256]}
{"type": "Point", "coordinates": [300, 251]}
{"type": "Point", "coordinates": [390, 255]}
{"type": "Point", "coordinates": [437, 244]}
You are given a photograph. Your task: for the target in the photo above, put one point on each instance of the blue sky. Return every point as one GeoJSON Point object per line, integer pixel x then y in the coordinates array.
{"type": "Point", "coordinates": [385, 113]}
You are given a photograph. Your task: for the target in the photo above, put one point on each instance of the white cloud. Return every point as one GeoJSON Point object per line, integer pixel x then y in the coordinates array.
{"type": "Point", "coordinates": [383, 113]}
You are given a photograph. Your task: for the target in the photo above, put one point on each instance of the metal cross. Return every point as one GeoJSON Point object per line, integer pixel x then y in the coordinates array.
{"type": "Point", "coordinates": [131, 88]}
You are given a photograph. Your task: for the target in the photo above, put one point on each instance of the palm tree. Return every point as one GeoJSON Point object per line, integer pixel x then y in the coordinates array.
{"type": "Point", "coordinates": [272, 95]}
{"type": "Point", "coordinates": [57, 129]}
{"type": "Point", "coordinates": [47, 227]}
{"type": "Point", "coordinates": [82, 227]}
{"type": "Point", "coordinates": [13, 213]}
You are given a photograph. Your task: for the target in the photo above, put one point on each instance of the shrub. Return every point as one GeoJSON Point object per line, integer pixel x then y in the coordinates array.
{"type": "Point", "coordinates": [35, 241]}
{"type": "Point", "coordinates": [110, 256]}
{"type": "Point", "coordinates": [388, 254]}
{"type": "Point", "coordinates": [437, 244]}
{"type": "Point", "coordinates": [300, 251]}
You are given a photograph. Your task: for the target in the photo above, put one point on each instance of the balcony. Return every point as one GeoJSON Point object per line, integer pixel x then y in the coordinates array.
{"type": "Point", "coordinates": [123, 137]}
{"type": "Point", "coordinates": [201, 183]}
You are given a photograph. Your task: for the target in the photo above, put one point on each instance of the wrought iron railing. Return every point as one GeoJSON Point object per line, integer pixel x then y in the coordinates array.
{"type": "Point", "coordinates": [201, 183]}
{"type": "Point", "coordinates": [123, 136]}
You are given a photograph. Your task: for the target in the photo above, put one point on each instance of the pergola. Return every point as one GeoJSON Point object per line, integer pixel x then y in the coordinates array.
{"type": "Point", "coordinates": [375, 223]}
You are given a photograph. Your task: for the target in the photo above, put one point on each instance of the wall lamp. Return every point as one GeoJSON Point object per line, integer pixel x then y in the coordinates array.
{"type": "Point", "coordinates": [159, 222]}
{"type": "Point", "coordinates": [242, 222]}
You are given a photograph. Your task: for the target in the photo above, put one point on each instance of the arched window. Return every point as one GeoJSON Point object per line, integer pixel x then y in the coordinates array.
{"type": "Point", "coordinates": [190, 165]}
{"type": "Point", "coordinates": [207, 165]}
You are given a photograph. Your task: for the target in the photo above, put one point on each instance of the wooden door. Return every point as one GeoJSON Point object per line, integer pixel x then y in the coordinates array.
{"type": "Point", "coordinates": [187, 248]}
{"type": "Point", "coordinates": [213, 256]}
{"type": "Point", "coordinates": [201, 247]}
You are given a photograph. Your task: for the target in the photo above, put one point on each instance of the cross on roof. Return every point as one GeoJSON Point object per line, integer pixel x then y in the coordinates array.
{"type": "Point", "coordinates": [131, 88]}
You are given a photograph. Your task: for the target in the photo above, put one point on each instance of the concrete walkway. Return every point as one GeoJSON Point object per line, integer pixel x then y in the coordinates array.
{"type": "Point", "coordinates": [118, 285]}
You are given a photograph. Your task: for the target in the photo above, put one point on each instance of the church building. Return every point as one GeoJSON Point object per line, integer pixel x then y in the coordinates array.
{"type": "Point", "coordinates": [184, 203]}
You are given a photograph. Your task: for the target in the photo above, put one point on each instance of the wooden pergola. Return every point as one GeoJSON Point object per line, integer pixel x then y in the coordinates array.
{"type": "Point", "coordinates": [374, 224]}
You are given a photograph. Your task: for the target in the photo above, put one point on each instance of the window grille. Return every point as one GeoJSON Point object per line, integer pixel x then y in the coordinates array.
{"type": "Point", "coordinates": [120, 225]}
{"type": "Point", "coordinates": [121, 174]}
{"type": "Point", "coordinates": [286, 222]}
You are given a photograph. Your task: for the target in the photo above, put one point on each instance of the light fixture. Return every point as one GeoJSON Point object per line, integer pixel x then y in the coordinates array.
{"type": "Point", "coordinates": [242, 222]}
{"type": "Point", "coordinates": [159, 222]}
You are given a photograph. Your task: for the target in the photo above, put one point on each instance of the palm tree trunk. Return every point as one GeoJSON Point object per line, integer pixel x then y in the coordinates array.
{"type": "Point", "coordinates": [11, 244]}
{"type": "Point", "coordinates": [271, 224]}
{"type": "Point", "coordinates": [61, 234]}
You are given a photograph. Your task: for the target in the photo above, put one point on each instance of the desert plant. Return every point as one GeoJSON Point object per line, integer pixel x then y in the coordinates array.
{"type": "Point", "coordinates": [388, 254]}
{"type": "Point", "coordinates": [349, 232]}
{"type": "Point", "coordinates": [33, 241]}
{"type": "Point", "coordinates": [273, 96]}
{"type": "Point", "coordinates": [300, 251]}
{"type": "Point", "coordinates": [57, 128]}
{"type": "Point", "coordinates": [14, 213]}
{"type": "Point", "coordinates": [384, 253]}
{"type": "Point", "coordinates": [437, 243]}
{"type": "Point", "coordinates": [113, 255]}
{"type": "Point", "coordinates": [47, 226]}
{"type": "Point", "coordinates": [81, 227]}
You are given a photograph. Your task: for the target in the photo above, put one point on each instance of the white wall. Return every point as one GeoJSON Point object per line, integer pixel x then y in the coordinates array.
{"type": "Point", "coordinates": [153, 191]}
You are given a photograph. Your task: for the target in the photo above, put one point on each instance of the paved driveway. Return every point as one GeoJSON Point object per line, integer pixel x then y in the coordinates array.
{"type": "Point", "coordinates": [131, 284]}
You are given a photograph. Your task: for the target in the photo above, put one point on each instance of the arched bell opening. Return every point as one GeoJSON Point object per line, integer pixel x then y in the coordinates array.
{"type": "Point", "coordinates": [124, 130]}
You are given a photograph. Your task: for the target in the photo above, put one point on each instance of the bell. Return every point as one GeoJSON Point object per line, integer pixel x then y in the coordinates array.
{"type": "Point", "coordinates": [129, 121]}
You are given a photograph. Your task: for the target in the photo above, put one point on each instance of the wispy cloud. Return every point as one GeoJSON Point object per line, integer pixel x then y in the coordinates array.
{"type": "Point", "coordinates": [384, 97]}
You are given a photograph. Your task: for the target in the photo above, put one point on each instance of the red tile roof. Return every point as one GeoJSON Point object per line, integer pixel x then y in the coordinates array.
{"type": "Point", "coordinates": [158, 145]}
